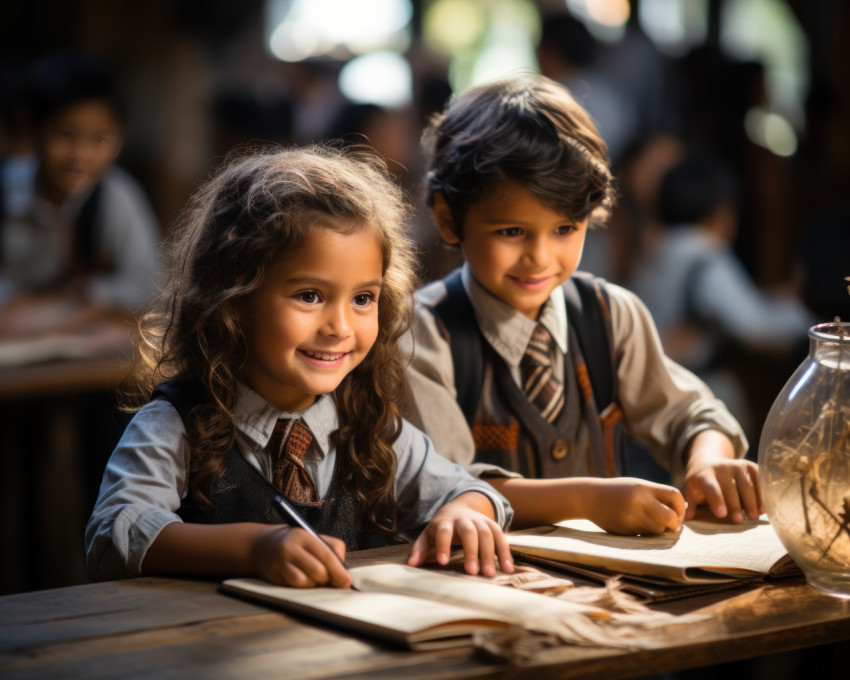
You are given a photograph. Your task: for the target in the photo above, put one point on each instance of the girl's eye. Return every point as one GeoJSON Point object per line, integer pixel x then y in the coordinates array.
{"type": "Point", "coordinates": [311, 297]}
{"type": "Point", "coordinates": [363, 299]}
{"type": "Point", "coordinates": [511, 231]}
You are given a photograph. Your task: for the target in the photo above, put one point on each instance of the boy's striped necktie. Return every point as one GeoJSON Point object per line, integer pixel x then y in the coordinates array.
{"type": "Point", "coordinates": [539, 382]}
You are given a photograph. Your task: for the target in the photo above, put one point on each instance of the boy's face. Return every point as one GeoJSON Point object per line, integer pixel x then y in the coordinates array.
{"type": "Point", "coordinates": [314, 318]}
{"type": "Point", "coordinates": [516, 247]}
{"type": "Point", "coordinates": [78, 144]}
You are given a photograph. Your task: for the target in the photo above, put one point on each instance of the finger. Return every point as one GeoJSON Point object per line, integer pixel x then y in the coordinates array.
{"type": "Point", "coordinates": [419, 551]}
{"type": "Point", "coordinates": [332, 570]}
{"type": "Point", "coordinates": [747, 493]}
{"type": "Point", "coordinates": [656, 519]}
{"type": "Point", "coordinates": [486, 548]}
{"type": "Point", "coordinates": [691, 503]}
{"type": "Point", "coordinates": [295, 577]}
{"type": "Point", "coordinates": [337, 545]}
{"type": "Point", "coordinates": [304, 569]}
{"type": "Point", "coordinates": [467, 534]}
{"type": "Point", "coordinates": [753, 472]}
{"type": "Point", "coordinates": [710, 490]}
{"type": "Point", "coordinates": [729, 489]}
{"type": "Point", "coordinates": [443, 534]}
{"type": "Point", "coordinates": [674, 500]}
{"type": "Point", "coordinates": [503, 550]}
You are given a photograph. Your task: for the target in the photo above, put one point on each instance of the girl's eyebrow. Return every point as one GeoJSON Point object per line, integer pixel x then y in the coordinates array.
{"type": "Point", "coordinates": [317, 281]}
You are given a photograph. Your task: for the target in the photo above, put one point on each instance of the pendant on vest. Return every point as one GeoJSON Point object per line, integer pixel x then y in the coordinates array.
{"type": "Point", "coordinates": [559, 449]}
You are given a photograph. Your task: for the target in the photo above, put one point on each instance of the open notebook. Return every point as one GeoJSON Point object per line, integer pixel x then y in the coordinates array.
{"type": "Point", "coordinates": [704, 552]}
{"type": "Point", "coordinates": [420, 608]}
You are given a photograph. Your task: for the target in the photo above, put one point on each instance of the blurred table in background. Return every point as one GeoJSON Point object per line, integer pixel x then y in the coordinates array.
{"type": "Point", "coordinates": [58, 425]}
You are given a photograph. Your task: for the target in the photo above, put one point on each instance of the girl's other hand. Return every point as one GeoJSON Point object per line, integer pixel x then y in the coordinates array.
{"type": "Point", "coordinates": [290, 556]}
{"type": "Point", "coordinates": [467, 520]}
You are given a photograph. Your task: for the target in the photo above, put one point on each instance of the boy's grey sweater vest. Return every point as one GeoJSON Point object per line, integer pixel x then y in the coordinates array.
{"type": "Point", "coordinates": [508, 429]}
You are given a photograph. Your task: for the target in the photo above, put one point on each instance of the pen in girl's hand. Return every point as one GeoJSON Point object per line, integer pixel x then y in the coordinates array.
{"type": "Point", "coordinates": [291, 515]}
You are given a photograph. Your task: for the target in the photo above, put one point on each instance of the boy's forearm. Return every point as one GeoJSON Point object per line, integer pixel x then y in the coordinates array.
{"type": "Point", "coordinates": [544, 501]}
{"type": "Point", "coordinates": [204, 550]}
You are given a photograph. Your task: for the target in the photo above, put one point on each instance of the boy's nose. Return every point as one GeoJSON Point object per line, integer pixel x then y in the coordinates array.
{"type": "Point", "coordinates": [538, 252]}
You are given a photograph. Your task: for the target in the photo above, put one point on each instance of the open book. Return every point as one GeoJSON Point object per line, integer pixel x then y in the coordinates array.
{"type": "Point", "coordinates": [425, 609]}
{"type": "Point", "coordinates": [705, 551]}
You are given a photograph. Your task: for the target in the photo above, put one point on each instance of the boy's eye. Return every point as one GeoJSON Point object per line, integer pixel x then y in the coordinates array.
{"type": "Point", "coordinates": [511, 231]}
{"type": "Point", "coordinates": [363, 299]}
{"type": "Point", "coordinates": [565, 229]}
{"type": "Point", "coordinates": [311, 297]}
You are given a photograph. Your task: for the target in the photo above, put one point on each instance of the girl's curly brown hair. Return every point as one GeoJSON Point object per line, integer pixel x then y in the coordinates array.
{"type": "Point", "coordinates": [259, 206]}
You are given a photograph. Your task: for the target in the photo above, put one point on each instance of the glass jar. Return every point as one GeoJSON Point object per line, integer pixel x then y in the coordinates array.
{"type": "Point", "coordinates": [804, 461]}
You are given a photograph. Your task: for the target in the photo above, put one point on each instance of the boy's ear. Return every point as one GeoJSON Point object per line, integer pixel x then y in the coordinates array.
{"type": "Point", "coordinates": [442, 215]}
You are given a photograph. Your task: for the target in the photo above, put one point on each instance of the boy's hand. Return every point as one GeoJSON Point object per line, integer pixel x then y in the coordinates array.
{"type": "Point", "coordinates": [632, 506]}
{"type": "Point", "coordinates": [468, 520]}
{"type": "Point", "coordinates": [290, 556]}
{"type": "Point", "coordinates": [715, 477]}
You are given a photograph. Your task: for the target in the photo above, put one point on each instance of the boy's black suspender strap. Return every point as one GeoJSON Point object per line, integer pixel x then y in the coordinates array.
{"type": "Point", "coordinates": [466, 342]}
{"type": "Point", "coordinates": [585, 313]}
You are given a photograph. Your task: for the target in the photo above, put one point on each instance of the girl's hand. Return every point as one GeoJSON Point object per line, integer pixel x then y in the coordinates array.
{"type": "Point", "coordinates": [715, 477]}
{"type": "Point", "coordinates": [290, 556]}
{"type": "Point", "coordinates": [627, 505]}
{"type": "Point", "coordinates": [468, 520]}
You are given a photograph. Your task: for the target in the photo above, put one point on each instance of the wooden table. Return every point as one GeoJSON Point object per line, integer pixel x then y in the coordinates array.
{"type": "Point", "coordinates": [174, 628]}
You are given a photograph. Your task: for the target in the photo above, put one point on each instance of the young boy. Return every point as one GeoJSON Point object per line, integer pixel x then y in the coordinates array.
{"type": "Point", "coordinates": [88, 239]}
{"type": "Point", "coordinates": [516, 174]}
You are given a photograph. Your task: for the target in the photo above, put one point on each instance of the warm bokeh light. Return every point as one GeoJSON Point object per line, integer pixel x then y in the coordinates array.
{"type": "Point", "coordinates": [453, 26]}
{"type": "Point", "coordinates": [675, 26]}
{"type": "Point", "coordinates": [301, 29]}
{"type": "Point", "coordinates": [771, 131]}
{"type": "Point", "coordinates": [482, 39]}
{"type": "Point", "coordinates": [382, 78]}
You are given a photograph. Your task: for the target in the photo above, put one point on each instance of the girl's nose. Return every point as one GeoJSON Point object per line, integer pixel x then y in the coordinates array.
{"type": "Point", "coordinates": [337, 321]}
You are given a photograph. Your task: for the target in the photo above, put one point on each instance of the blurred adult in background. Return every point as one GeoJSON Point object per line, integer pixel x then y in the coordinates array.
{"type": "Point", "coordinates": [708, 310]}
{"type": "Point", "coordinates": [83, 240]}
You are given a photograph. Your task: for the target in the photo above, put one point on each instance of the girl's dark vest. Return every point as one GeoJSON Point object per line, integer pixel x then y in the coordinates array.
{"type": "Point", "coordinates": [520, 439]}
{"type": "Point", "coordinates": [242, 494]}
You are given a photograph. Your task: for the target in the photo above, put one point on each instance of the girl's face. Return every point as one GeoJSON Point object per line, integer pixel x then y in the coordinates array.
{"type": "Point", "coordinates": [314, 318]}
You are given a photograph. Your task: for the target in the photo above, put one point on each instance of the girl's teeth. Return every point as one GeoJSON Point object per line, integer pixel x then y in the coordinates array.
{"type": "Point", "coordinates": [324, 357]}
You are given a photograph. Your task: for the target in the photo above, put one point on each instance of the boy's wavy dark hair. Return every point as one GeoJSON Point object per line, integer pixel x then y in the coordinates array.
{"type": "Point", "coordinates": [260, 206]}
{"type": "Point", "coordinates": [526, 129]}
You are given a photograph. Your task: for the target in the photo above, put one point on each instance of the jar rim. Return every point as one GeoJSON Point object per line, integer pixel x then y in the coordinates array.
{"type": "Point", "coordinates": [829, 331]}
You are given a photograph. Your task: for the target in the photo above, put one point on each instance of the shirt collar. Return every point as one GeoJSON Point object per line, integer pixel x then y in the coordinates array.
{"type": "Point", "coordinates": [255, 418]}
{"type": "Point", "coordinates": [506, 329]}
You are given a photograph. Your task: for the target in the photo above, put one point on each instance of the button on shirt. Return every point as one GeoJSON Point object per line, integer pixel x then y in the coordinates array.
{"type": "Point", "coordinates": [147, 477]}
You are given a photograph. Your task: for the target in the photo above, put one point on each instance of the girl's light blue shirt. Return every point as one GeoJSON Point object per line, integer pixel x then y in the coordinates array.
{"type": "Point", "coordinates": [146, 477]}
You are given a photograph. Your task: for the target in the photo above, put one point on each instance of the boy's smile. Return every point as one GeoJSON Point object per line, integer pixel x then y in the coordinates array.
{"type": "Point", "coordinates": [516, 247]}
{"type": "Point", "coordinates": [314, 318]}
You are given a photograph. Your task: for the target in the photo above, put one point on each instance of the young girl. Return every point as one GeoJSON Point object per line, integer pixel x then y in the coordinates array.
{"type": "Point", "coordinates": [289, 286]}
